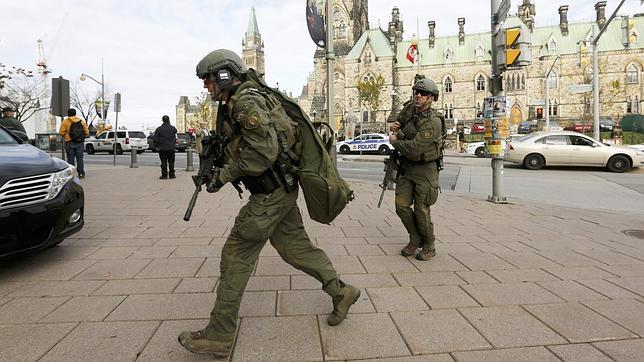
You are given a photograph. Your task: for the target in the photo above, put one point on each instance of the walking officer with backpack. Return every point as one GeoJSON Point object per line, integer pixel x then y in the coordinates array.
{"type": "Point", "coordinates": [74, 130]}
{"type": "Point", "coordinates": [261, 145]}
{"type": "Point", "coordinates": [418, 135]}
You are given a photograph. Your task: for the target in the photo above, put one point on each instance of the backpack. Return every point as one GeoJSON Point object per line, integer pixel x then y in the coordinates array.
{"type": "Point", "coordinates": [325, 192]}
{"type": "Point", "coordinates": [76, 132]}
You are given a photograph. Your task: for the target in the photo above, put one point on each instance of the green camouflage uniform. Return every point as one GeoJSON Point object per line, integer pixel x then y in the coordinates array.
{"type": "Point", "coordinates": [419, 143]}
{"type": "Point", "coordinates": [275, 216]}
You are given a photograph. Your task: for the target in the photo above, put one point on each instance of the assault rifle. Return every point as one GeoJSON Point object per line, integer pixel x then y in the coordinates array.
{"type": "Point", "coordinates": [391, 174]}
{"type": "Point", "coordinates": [211, 159]}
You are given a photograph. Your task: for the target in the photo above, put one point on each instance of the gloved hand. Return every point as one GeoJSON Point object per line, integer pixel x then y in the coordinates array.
{"type": "Point", "coordinates": [214, 186]}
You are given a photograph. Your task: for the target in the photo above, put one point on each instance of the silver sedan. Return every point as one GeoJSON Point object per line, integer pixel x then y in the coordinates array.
{"type": "Point", "coordinates": [562, 148]}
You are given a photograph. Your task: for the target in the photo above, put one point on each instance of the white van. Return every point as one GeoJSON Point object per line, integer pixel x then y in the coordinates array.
{"type": "Point", "coordinates": [126, 140]}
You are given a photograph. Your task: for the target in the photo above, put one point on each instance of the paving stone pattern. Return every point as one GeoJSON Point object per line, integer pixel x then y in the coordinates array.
{"type": "Point", "coordinates": [515, 282]}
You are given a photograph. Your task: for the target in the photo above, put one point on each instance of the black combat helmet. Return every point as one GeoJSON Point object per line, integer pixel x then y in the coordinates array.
{"type": "Point", "coordinates": [220, 59]}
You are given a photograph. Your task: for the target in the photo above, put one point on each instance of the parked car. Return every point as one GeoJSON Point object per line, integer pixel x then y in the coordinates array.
{"type": "Point", "coordinates": [526, 127]}
{"type": "Point", "coordinates": [606, 125]}
{"type": "Point", "coordinates": [126, 140]}
{"type": "Point", "coordinates": [368, 142]}
{"type": "Point", "coordinates": [579, 127]}
{"type": "Point", "coordinates": [466, 130]}
{"type": "Point", "coordinates": [151, 146]}
{"type": "Point", "coordinates": [565, 148]}
{"type": "Point", "coordinates": [183, 141]}
{"type": "Point", "coordinates": [477, 128]}
{"type": "Point", "coordinates": [41, 199]}
{"type": "Point", "coordinates": [477, 149]}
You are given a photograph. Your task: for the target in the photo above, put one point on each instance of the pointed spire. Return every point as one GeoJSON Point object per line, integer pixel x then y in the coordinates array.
{"type": "Point", "coordinates": [252, 24]}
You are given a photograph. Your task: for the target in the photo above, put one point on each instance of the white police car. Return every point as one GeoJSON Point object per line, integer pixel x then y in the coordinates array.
{"type": "Point", "coordinates": [368, 142]}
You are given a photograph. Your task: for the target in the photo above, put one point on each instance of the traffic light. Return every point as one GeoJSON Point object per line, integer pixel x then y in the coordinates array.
{"type": "Point", "coordinates": [513, 47]}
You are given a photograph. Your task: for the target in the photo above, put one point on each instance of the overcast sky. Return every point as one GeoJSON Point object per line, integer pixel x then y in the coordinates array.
{"type": "Point", "coordinates": [150, 47]}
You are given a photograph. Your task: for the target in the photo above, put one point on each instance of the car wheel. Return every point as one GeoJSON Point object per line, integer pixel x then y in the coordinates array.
{"type": "Point", "coordinates": [345, 149]}
{"type": "Point", "coordinates": [618, 163]}
{"type": "Point", "coordinates": [119, 150]}
{"type": "Point", "coordinates": [90, 149]}
{"type": "Point", "coordinates": [480, 152]}
{"type": "Point", "coordinates": [533, 162]}
{"type": "Point", "coordinates": [383, 150]}
{"type": "Point", "coordinates": [140, 151]}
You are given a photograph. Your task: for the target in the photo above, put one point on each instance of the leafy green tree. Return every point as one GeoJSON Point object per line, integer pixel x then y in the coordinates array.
{"type": "Point", "coordinates": [369, 91]}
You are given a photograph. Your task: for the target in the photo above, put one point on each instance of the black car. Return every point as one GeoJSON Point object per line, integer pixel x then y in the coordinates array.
{"type": "Point", "coordinates": [151, 146]}
{"type": "Point", "coordinates": [183, 141]}
{"type": "Point", "coordinates": [41, 199]}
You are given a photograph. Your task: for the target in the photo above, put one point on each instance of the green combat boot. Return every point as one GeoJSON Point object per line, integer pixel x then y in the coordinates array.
{"type": "Point", "coordinates": [425, 253]}
{"type": "Point", "coordinates": [346, 297]}
{"type": "Point", "coordinates": [409, 250]}
{"type": "Point", "coordinates": [196, 342]}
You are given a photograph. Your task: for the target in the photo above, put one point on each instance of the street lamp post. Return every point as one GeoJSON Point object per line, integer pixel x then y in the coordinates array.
{"type": "Point", "coordinates": [547, 100]}
{"type": "Point", "coordinates": [83, 77]}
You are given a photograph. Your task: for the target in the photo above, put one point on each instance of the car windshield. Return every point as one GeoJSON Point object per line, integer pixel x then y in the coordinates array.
{"type": "Point", "coordinates": [6, 139]}
{"type": "Point", "coordinates": [183, 136]}
{"type": "Point", "coordinates": [136, 134]}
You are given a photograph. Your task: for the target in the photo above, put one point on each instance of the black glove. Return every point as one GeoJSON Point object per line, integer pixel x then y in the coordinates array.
{"type": "Point", "coordinates": [214, 186]}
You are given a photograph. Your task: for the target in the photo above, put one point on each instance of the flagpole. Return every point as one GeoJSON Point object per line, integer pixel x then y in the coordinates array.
{"type": "Point", "coordinates": [418, 48]}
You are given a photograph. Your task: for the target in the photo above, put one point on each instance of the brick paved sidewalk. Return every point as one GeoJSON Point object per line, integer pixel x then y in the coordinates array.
{"type": "Point", "coordinates": [510, 282]}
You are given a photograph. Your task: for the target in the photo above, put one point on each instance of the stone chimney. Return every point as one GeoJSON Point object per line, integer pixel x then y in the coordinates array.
{"type": "Point", "coordinates": [461, 31]}
{"type": "Point", "coordinates": [563, 19]}
{"type": "Point", "coordinates": [600, 8]}
{"type": "Point", "coordinates": [432, 37]}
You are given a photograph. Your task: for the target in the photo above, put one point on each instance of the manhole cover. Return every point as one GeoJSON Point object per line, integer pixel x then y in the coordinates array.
{"type": "Point", "coordinates": [635, 233]}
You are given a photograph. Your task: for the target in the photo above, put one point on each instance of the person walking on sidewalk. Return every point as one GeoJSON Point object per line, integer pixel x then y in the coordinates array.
{"type": "Point", "coordinates": [418, 135]}
{"type": "Point", "coordinates": [165, 138]}
{"type": "Point", "coordinates": [74, 130]}
{"type": "Point", "coordinates": [271, 212]}
{"type": "Point", "coordinates": [200, 133]}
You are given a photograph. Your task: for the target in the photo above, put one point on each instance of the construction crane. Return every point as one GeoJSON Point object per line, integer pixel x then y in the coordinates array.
{"type": "Point", "coordinates": [44, 121]}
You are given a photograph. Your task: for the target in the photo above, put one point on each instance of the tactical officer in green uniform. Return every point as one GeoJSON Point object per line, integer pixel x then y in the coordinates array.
{"type": "Point", "coordinates": [418, 137]}
{"type": "Point", "coordinates": [256, 144]}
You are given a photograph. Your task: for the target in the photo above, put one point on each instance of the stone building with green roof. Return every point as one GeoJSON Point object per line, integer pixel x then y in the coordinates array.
{"type": "Point", "coordinates": [461, 65]}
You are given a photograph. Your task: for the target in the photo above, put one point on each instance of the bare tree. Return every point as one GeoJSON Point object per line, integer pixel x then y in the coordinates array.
{"type": "Point", "coordinates": [21, 92]}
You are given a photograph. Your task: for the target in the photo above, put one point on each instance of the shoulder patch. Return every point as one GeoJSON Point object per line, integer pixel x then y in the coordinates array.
{"type": "Point", "coordinates": [428, 133]}
{"type": "Point", "coordinates": [251, 120]}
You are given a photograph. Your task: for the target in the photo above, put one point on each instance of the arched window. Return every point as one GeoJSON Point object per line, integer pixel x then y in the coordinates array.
{"type": "Point", "coordinates": [479, 52]}
{"type": "Point", "coordinates": [367, 58]}
{"type": "Point", "coordinates": [632, 74]}
{"type": "Point", "coordinates": [552, 45]}
{"type": "Point", "coordinates": [448, 111]}
{"type": "Point", "coordinates": [552, 80]}
{"type": "Point", "coordinates": [554, 107]}
{"type": "Point", "coordinates": [508, 84]}
{"type": "Point", "coordinates": [480, 83]}
{"type": "Point", "coordinates": [448, 54]}
{"type": "Point", "coordinates": [629, 106]}
{"type": "Point", "coordinates": [514, 82]}
{"type": "Point", "coordinates": [448, 85]}
{"type": "Point", "coordinates": [522, 85]}
{"type": "Point", "coordinates": [636, 105]}
{"type": "Point", "coordinates": [479, 110]}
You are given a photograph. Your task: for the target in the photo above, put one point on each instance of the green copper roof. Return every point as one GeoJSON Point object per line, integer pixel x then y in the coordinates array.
{"type": "Point", "coordinates": [252, 24]}
{"type": "Point", "coordinates": [378, 42]}
{"type": "Point", "coordinates": [610, 40]}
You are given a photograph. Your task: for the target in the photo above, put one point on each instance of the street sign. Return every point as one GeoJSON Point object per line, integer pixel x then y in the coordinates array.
{"type": "Point", "coordinates": [502, 13]}
{"type": "Point", "coordinates": [580, 88]}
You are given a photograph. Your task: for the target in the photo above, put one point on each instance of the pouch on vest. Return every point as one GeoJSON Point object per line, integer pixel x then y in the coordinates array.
{"type": "Point", "coordinates": [325, 192]}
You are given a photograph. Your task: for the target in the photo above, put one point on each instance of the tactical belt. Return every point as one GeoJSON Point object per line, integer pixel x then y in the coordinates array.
{"type": "Point", "coordinates": [410, 162]}
{"type": "Point", "coordinates": [270, 180]}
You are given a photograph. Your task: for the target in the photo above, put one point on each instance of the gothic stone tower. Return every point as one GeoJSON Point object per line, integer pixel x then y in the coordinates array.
{"type": "Point", "coordinates": [350, 21]}
{"type": "Point", "coordinates": [253, 46]}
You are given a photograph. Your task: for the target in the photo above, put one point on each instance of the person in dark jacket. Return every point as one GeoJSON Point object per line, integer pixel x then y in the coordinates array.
{"type": "Point", "coordinates": [165, 137]}
{"type": "Point", "coordinates": [9, 121]}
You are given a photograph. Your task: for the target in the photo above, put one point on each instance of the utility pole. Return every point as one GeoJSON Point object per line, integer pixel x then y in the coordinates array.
{"type": "Point", "coordinates": [596, 35]}
{"type": "Point", "coordinates": [497, 196]}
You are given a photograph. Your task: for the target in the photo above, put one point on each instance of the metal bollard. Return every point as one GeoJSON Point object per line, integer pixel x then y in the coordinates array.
{"type": "Point", "coordinates": [133, 157]}
{"type": "Point", "coordinates": [189, 166]}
